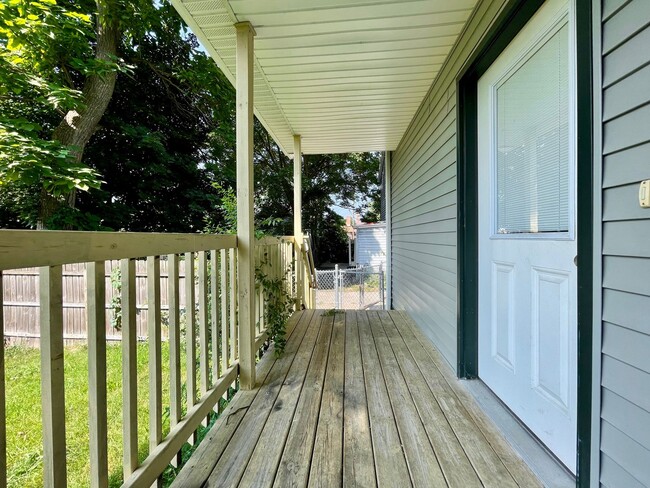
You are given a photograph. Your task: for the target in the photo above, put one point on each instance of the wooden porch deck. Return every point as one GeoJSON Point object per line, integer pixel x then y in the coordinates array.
{"type": "Point", "coordinates": [359, 398]}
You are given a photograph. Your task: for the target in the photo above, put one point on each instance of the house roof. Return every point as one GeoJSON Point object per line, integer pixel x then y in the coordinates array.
{"type": "Point", "coordinates": [346, 75]}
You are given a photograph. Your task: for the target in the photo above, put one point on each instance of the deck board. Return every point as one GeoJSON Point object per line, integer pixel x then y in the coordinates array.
{"type": "Point", "coordinates": [390, 462]}
{"type": "Point", "coordinates": [264, 461]}
{"type": "Point", "coordinates": [358, 461]}
{"type": "Point", "coordinates": [421, 460]}
{"type": "Point", "coordinates": [327, 457]}
{"type": "Point", "coordinates": [359, 399]}
{"type": "Point", "coordinates": [457, 469]}
{"type": "Point", "coordinates": [522, 474]}
{"type": "Point", "coordinates": [233, 462]}
{"type": "Point", "coordinates": [294, 464]}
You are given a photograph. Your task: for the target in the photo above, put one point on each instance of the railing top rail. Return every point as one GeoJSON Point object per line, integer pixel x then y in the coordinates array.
{"type": "Point", "coordinates": [27, 248]}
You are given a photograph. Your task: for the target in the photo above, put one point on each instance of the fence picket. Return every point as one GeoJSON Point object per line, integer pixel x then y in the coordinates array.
{"type": "Point", "coordinates": [234, 350]}
{"type": "Point", "coordinates": [204, 325]}
{"type": "Point", "coordinates": [129, 368]}
{"type": "Point", "coordinates": [214, 317]}
{"type": "Point", "coordinates": [52, 384]}
{"type": "Point", "coordinates": [155, 353]}
{"type": "Point", "coordinates": [174, 340]}
{"type": "Point", "coordinates": [225, 331]}
{"type": "Point", "coordinates": [98, 426]}
{"type": "Point", "coordinates": [190, 330]}
{"type": "Point", "coordinates": [3, 409]}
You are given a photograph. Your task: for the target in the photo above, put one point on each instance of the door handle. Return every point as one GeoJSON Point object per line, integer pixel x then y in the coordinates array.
{"type": "Point", "coordinates": [575, 260]}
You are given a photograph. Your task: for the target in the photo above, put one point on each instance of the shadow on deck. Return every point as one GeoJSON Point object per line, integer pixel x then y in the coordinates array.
{"type": "Point", "coordinates": [360, 398]}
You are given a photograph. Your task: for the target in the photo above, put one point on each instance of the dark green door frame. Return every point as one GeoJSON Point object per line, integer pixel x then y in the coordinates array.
{"type": "Point", "coordinates": [511, 21]}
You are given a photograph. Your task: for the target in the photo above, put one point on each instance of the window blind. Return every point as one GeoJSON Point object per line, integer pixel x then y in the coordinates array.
{"type": "Point", "coordinates": [532, 142]}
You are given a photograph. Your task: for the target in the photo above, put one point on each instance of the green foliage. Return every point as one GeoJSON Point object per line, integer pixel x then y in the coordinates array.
{"type": "Point", "coordinates": [26, 158]}
{"type": "Point", "coordinates": [38, 40]}
{"type": "Point", "coordinates": [187, 450]}
{"type": "Point", "coordinates": [228, 208]}
{"type": "Point", "coordinates": [343, 179]}
{"type": "Point", "coordinates": [166, 145]}
{"type": "Point", "coordinates": [279, 304]}
{"type": "Point", "coordinates": [116, 300]}
{"type": "Point", "coordinates": [373, 210]}
{"type": "Point", "coordinates": [167, 136]}
{"type": "Point", "coordinates": [24, 429]}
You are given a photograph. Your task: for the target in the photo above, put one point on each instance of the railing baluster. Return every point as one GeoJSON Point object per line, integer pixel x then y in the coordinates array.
{"type": "Point", "coordinates": [174, 340]}
{"type": "Point", "coordinates": [204, 324]}
{"type": "Point", "coordinates": [52, 384]}
{"type": "Point", "coordinates": [299, 276]}
{"type": "Point", "coordinates": [3, 409]}
{"type": "Point", "coordinates": [155, 355]}
{"type": "Point", "coordinates": [190, 330]}
{"type": "Point", "coordinates": [220, 373]}
{"type": "Point", "coordinates": [225, 334]}
{"type": "Point", "coordinates": [259, 303]}
{"type": "Point", "coordinates": [129, 368]}
{"type": "Point", "coordinates": [96, 296]}
{"type": "Point", "coordinates": [214, 331]}
{"type": "Point", "coordinates": [234, 350]}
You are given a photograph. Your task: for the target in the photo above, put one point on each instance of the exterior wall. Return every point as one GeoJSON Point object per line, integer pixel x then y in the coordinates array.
{"type": "Point", "coordinates": [423, 230]}
{"type": "Point", "coordinates": [625, 392]}
{"type": "Point", "coordinates": [370, 245]}
{"type": "Point", "coordinates": [423, 199]}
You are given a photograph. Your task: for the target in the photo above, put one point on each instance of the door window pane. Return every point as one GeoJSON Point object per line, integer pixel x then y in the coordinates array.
{"type": "Point", "coordinates": [532, 146]}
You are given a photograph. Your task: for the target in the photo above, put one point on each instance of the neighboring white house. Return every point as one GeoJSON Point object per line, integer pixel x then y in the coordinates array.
{"type": "Point", "coordinates": [370, 245]}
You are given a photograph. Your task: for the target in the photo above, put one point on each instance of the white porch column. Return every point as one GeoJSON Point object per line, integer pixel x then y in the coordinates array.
{"type": "Point", "coordinates": [297, 188]}
{"type": "Point", "coordinates": [245, 189]}
{"type": "Point", "coordinates": [297, 216]}
{"type": "Point", "coordinates": [389, 225]}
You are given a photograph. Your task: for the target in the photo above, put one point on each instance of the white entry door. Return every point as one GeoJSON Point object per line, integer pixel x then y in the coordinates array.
{"type": "Point", "coordinates": [527, 244]}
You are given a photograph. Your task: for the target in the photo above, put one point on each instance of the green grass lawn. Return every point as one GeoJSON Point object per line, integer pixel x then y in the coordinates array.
{"type": "Point", "coordinates": [24, 434]}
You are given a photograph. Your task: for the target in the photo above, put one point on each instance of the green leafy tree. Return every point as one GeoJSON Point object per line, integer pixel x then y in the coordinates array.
{"type": "Point", "coordinates": [343, 179]}
{"type": "Point", "coordinates": [165, 145]}
{"type": "Point", "coordinates": [58, 68]}
{"type": "Point", "coordinates": [36, 94]}
{"type": "Point", "coordinates": [166, 137]}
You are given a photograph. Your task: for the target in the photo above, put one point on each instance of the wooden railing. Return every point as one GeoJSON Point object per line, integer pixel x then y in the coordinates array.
{"type": "Point", "coordinates": [310, 269]}
{"type": "Point", "coordinates": [209, 336]}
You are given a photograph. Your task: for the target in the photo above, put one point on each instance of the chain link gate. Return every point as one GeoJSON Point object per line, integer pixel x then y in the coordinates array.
{"type": "Point", "coordinates": [359, 288]}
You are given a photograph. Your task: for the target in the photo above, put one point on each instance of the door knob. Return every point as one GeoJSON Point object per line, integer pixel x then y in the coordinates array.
{"type": "Point", "coordinates": [575, 260]}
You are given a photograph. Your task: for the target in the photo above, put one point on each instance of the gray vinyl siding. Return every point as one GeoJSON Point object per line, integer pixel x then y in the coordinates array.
{"type": "Point", "coordinates": [423, 199]}
{"type": "Point", "coordinates": [625, 380]}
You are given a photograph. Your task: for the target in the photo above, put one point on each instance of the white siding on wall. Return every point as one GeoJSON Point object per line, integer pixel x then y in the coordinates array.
{"type": "Point", "coordinates": [370, 246]}
{"type": "Point", "coordinates": [423, 194]}
{"type": "Point", "coordinates": [625, 382]}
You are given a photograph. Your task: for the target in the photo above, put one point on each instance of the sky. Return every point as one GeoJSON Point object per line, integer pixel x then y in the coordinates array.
{"type": "Point", "coordinates": [343, 212]}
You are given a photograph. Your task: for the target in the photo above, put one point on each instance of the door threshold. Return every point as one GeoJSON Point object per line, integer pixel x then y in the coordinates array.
{"type": "Point", "coordinates": [537, 456]}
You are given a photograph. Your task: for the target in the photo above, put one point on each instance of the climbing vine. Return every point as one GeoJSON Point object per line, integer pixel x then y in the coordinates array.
{"type": "Point", "coordinates": [279, 305]}
{"type": "Point", "coordinates": [116, 301]}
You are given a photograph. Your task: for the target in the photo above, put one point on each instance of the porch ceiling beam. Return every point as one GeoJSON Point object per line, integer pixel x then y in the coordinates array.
{"type": "Point", "coordinates": [245, 222]}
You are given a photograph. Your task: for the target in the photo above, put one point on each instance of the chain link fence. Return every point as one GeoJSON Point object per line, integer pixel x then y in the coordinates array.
{"type": "Point", "coordinates": [352, 289]}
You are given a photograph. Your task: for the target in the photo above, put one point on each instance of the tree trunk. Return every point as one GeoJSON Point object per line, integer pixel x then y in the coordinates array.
{"type": "Point", "coordinates": [77, 127]}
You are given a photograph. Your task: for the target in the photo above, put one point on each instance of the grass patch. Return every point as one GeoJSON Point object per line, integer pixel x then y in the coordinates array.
{"type": "Point", "coordinates": [24, 426]}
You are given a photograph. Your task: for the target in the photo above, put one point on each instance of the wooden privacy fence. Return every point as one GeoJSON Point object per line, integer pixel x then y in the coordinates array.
{"type": "Point", "coordinates": [21, 306]}
{"type": "Point", "coordinates": [209, 331]}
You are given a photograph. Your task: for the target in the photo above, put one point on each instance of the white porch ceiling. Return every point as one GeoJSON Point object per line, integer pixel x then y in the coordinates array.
{"type": "Point", "coordinates": [346, 75]}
